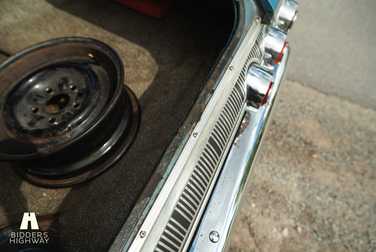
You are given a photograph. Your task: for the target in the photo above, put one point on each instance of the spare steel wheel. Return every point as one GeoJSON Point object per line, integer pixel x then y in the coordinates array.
{"type": "Point", "coordinates": [66, 115]}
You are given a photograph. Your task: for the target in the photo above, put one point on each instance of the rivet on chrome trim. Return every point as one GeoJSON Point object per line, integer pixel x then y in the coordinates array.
{"type": "Point", "coordinates": [142, 234]}
{"type": "Point", "coordinates": [214, 236]}
{"type": "Point", "coordinates": [231, 68]}
{"type": "Point", "coordinates": [195, 134]}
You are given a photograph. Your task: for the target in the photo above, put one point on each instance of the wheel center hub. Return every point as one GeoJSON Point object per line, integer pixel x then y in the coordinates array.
{"type": "Point", "coordinates": [56, 103]}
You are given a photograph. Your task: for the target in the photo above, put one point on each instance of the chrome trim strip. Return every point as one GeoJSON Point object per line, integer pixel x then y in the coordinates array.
{"type": "Point", "coordinates": [238, 165]}
{"type": "Point", "coordinates": [175, 186]}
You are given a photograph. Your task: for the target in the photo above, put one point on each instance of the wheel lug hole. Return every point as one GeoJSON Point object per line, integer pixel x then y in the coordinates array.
{"type": "Point", "coordinates": [34, 110]}
{"type": "Point", "coordinates": [52, 120]}
{"type": "Point", "coordinates": [49, 90]}
{"type": "Point", "coordinates": [72, 87]}
{"type": "Point", "coordinates": [76, 105]}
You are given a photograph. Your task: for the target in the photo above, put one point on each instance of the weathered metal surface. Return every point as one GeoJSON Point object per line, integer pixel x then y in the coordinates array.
{"type": "Point", "coordinates": [126, 231]}
{"type": "Point", "coordinates": [58, 97]}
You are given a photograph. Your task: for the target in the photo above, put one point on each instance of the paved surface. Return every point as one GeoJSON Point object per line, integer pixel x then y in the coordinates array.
{"type": "Point", "coordinates": [314, 183]}
{"type": "Point", "coordinates": [334, 50]}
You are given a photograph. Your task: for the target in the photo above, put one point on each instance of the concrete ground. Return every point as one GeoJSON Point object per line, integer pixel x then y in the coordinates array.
{"type": "Point", "coordinates": [314, 182]}
{"type": "Point", "coordinates": [334, 49]}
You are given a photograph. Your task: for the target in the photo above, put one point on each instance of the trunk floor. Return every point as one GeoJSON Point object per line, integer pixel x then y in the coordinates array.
{"type": "Point", "coordinates": [165, 64]}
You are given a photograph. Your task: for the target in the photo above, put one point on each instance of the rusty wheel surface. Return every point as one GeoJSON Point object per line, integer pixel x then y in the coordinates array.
{"type": "Point", "coordinates": [66, 115]}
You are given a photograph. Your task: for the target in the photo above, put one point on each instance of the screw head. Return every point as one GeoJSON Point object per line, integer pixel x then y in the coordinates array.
{"type": "Point", "coordinates": [195, 134]}
{"type": "Point", "coordinates": [142, 234]}
{"type": "Point", "coordinates": [231, 68]}
{"type": "Point", "coordinates": [258, 20]}
{"type": "Point", "coordinates": [214, 236]}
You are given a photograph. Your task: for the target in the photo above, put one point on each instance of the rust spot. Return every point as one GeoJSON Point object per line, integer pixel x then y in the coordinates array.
{"type": "Point", "coordinates": [313, 153]}
{"type": "Point", "coordinates": [203, 107]}
{"type": "Point", "coordinates": [243, 126]}
{"type": "Point", "coordinates": [191, 130]}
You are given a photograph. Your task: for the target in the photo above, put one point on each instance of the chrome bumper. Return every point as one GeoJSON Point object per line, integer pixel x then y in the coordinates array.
{"type": "Point", "coordinates": [225, 202]}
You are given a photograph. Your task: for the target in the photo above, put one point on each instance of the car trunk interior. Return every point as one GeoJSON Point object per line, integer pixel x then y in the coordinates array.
{"type": "Point", "coordinates": [165, 64]}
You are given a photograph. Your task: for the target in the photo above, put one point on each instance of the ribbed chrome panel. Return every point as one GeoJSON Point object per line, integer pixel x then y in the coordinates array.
{"type": "Point", "coordinates": [257, 51]}
{"type": "Point", "coordinates": [191, 199]}
{"type": "Point", "coordinates": [181, 220]}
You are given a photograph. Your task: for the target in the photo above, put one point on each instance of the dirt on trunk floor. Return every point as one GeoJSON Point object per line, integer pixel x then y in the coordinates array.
{"type": "Point", "coordinates": [313, 188]}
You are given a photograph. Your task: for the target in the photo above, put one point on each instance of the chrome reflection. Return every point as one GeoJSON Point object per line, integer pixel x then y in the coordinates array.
{"type": "Point", "coordinates": [274, 42]}
{"type": "Point", "coordinates": [287, 15]}
{"type": "Point", "coordinates": [225, 202]}
{"type": "Point", "coordinates": [259, 83]}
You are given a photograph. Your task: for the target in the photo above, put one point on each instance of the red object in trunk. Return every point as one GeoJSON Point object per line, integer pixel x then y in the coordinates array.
{"type": "Point", "coordinates": [153, 8]}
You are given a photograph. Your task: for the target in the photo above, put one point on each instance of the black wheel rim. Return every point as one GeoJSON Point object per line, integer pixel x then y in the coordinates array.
{"type": "Point", "coordinates": [66, 115]}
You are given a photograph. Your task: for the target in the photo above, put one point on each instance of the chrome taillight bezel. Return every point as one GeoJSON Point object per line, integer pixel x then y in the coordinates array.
{"type": "Point", "coordinates": [286, 16]}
